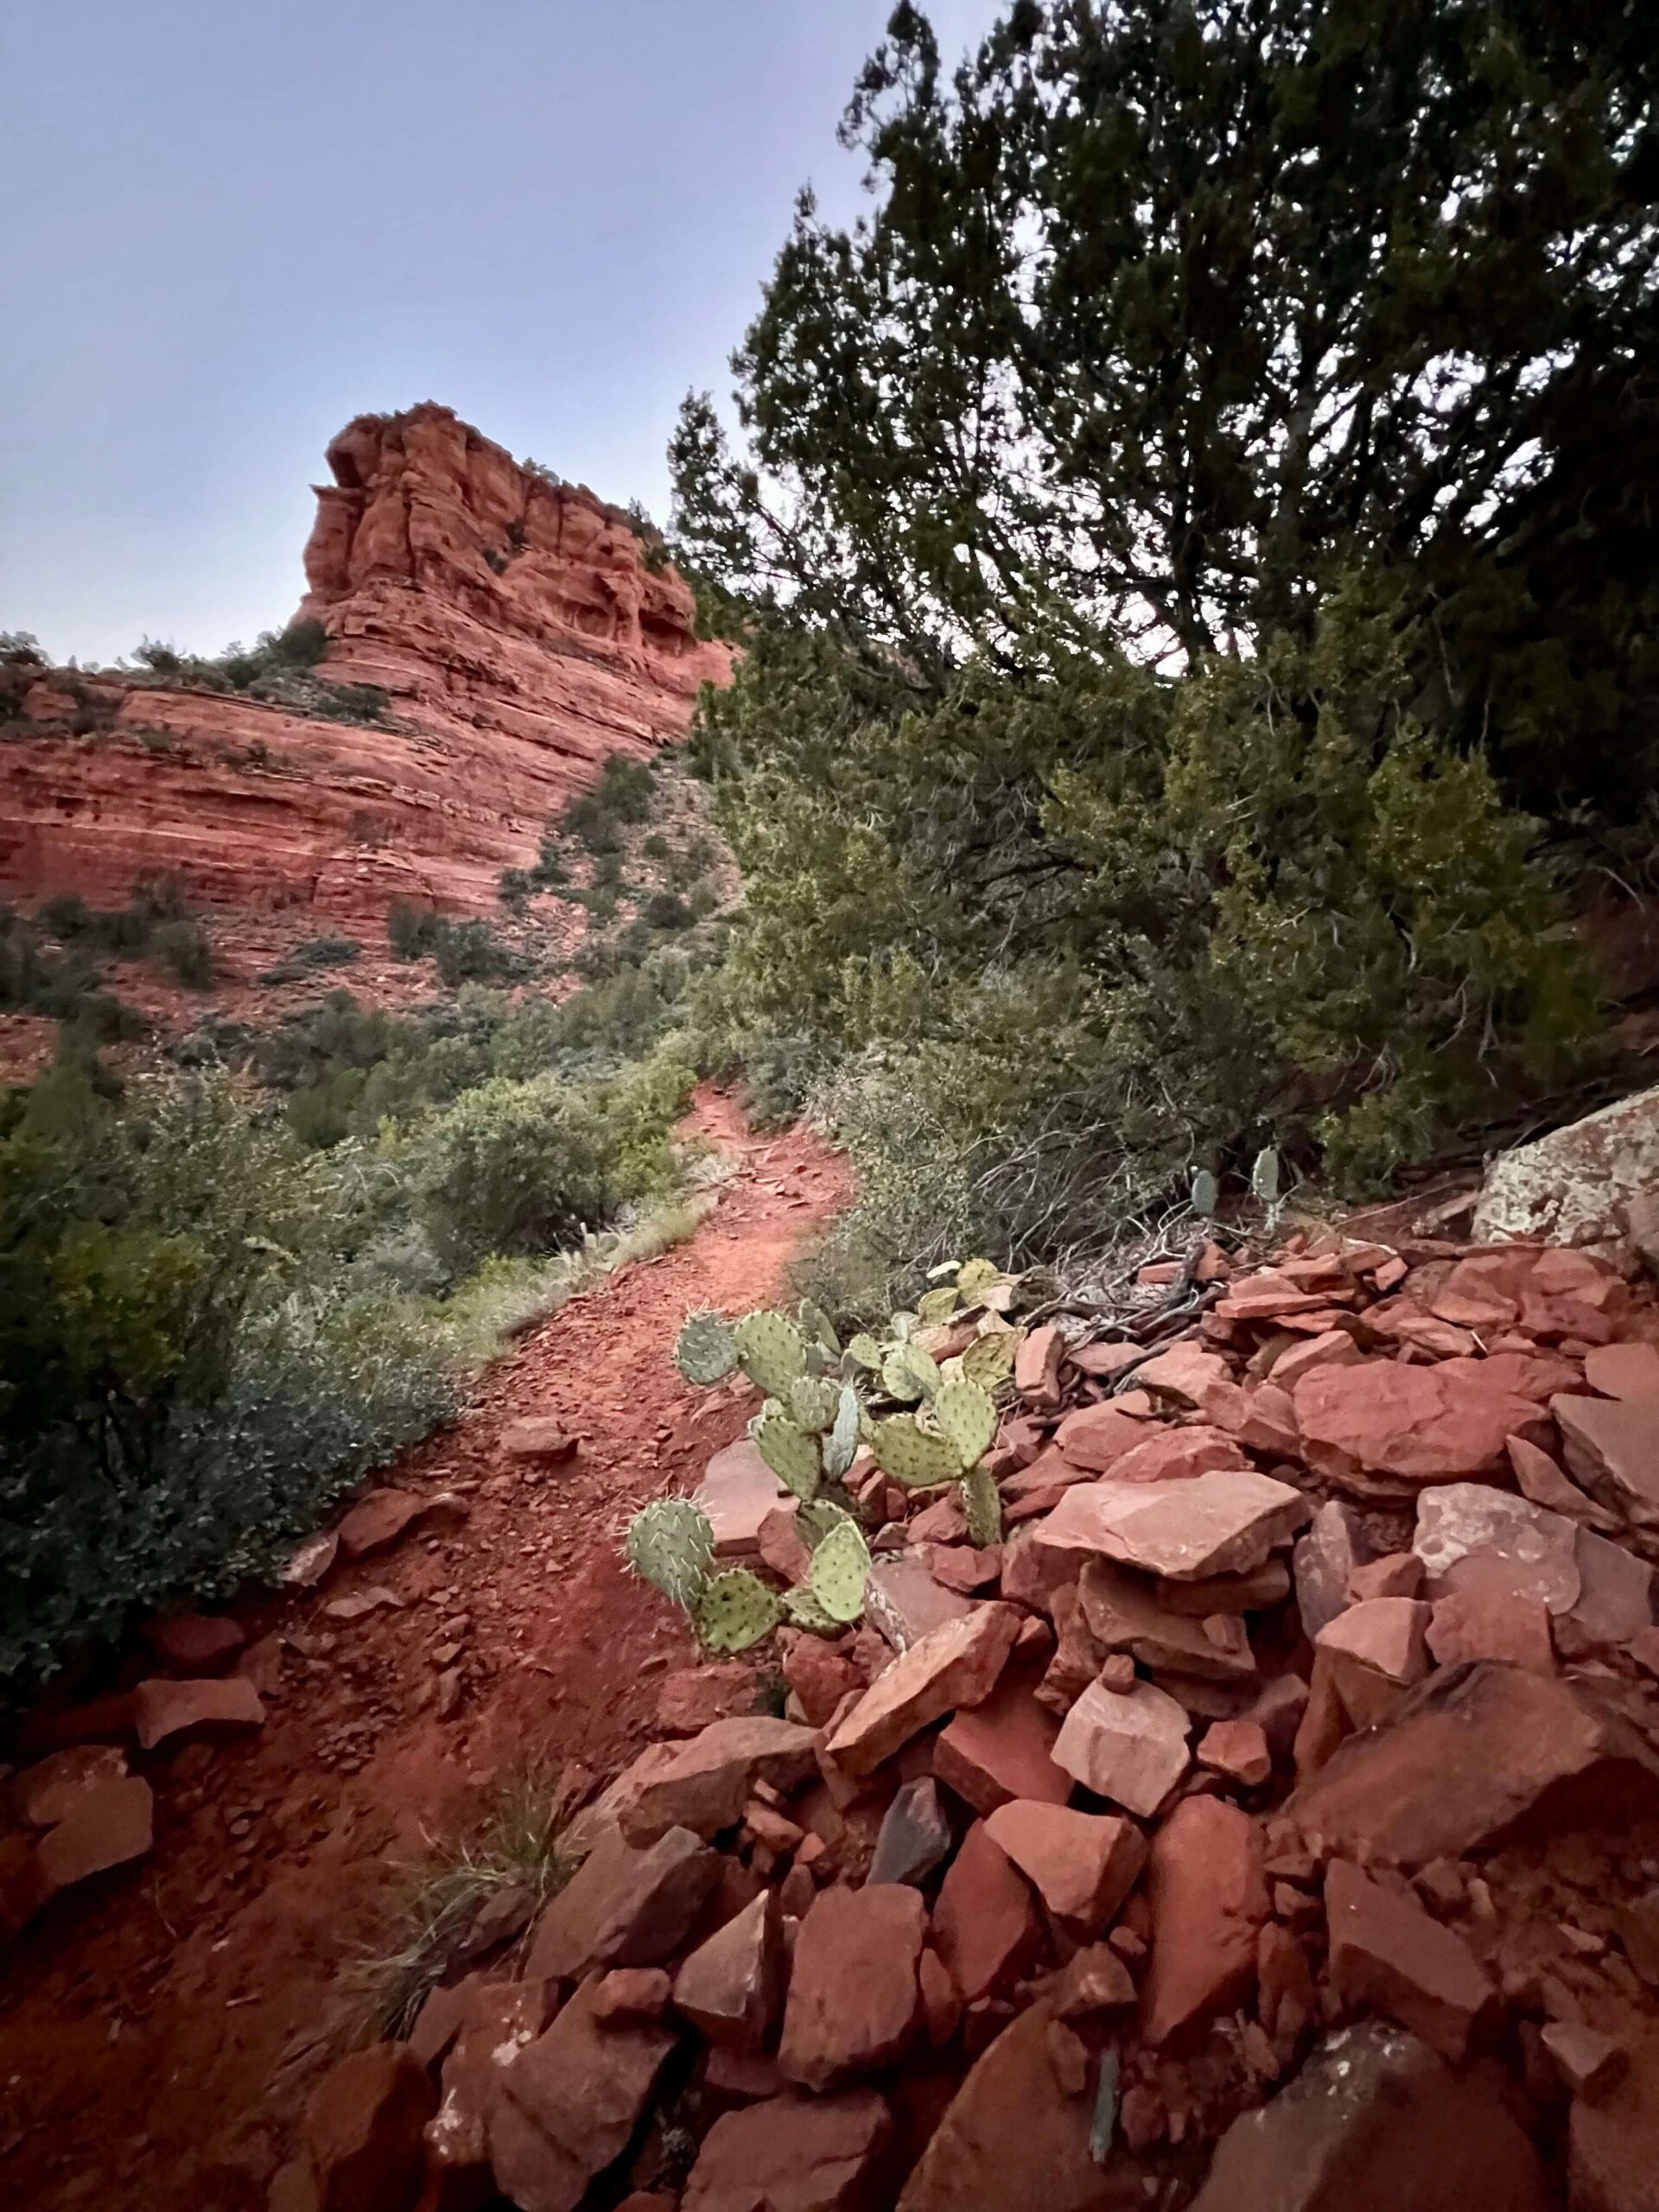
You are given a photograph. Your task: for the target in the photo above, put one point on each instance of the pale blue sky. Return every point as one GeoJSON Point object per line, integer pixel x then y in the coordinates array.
{"type": "Point", "coordinates": [228, 225]}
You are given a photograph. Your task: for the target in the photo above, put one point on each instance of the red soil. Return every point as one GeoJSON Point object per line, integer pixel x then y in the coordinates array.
{"type": "Point", "coordinates": [157, 2040]}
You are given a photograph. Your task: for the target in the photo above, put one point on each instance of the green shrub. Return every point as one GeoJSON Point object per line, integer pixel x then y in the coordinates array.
{"type": "Point", "coordinates": [511, 1166]}
{"type": "Point", "coordinates": [182, 947]}
{"type": "Point", "coordinates": [666, 910]}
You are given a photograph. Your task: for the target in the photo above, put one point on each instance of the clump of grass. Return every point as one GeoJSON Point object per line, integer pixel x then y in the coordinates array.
{"type": "Point", "coordinates": [435, 1905]}
{"type": "Point", "coordinates": [505, 1296]}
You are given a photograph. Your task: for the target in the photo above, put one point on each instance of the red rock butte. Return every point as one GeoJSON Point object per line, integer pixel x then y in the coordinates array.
{"type": "Point", "coordinates": [520, 634]}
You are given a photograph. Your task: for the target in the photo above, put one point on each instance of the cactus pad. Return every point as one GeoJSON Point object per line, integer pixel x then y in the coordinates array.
{"type": "Point", "coordinates": [981, 1504]}
{"type": "Point", "coordinates": [705, 1352]}
{"type": "Point", "coordinates": [839, 1567]}
{"type": "Point", "coordinates": [938, 1305]}
{"type": "Point", "coordinates": [898, 1378]}
{"type": "Point", "coordinates": [924, 1368]}
{"type": "Point", "coordinates": [813, 1522]}
{"type": "Point", "coordinates": [770, 1350]}
{"type": "Point", "coordinates": [1206, 1193]}
{"type": "Point", "coordinates": [988, 1361]}
{"type": "Point", "coordinates": [841, 1445]}
{"type": "Point", "coordinates": [914, 1456]}
{"type": "Point", "coordinates": [967, 1415]}
{"type": "Point", "coordinates": [802, 1610]}
{"type": "Point", "coordinates": [975, 1276]}
{"type": "Point", "coordinates": [736, 1610]}
{"type": "Point", "coordinates": [671, 1544]}
{"type": "Point", "coordinates": [817, 1324]}
{"type": "Point", "coordinates": [814, 1401]}
{"type": "Point", "coordinates": [787, 1449]}
{"type": "Point", "coordinates": [865, 1349]}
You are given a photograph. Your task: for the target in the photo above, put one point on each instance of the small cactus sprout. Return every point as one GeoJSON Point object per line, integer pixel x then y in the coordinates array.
{"type": "Point", "coordinates": [770, 1350]}
{"type": "Point", "coordinates": [1264, 1176]}
{"type": "Point", "coordinates": [981, 1506]}
{"type": "Point", "coordinates": [938, 1305]}
{"type": "Point", "coordinates": [841, 1445]}
{"type": "Point", "coordinates": [988, 1361]}
{"type": "Point", "coordinates": [802, 1610]}
{"type": "Point", "coordinates": [787, 1449]}
{"type": "Point", "coordinates": [914, 1456]}
{"type": "Point", "coordinates": [839, 1567]}
{"type": "Point", "coordinates": [865, 1349]}
{"type": "Point", "coordinates": [967, 1417]}
{"type": "Point", "coordinates": [1206, 1194]}
{"type": "Point", "coordinates": [814, 1401]}
{"type": "Point", "coordinates": [976, 1275]}
{"type": "Point", "coordinates": [671, 1544]}
{"type": "Point", "coordinates": [736, 1610]}
{"type": "Point", "coordinates": [817, 1324]}
{"type": "Point", "coordinates": [705, 1352]}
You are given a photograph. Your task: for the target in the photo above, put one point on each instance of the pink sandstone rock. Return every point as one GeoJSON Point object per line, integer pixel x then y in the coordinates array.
{"type": "Point", "coordinates": [793, 2154]}
{"type": "Point", "coordinates": [1223, 1523]}
{"type": "Point", "coordinates": [853, 1994]}
{"type": "Point", "coordinates": [162, 1710]}
{"type": "Point", "coordinates": [1130, 1747]}
{"type": "Point", "coordinates": [1083, 1864]}
{"type": "Point", "coordinates": [1387, 1952]}
{"type": "Point", "coordinates": [1382, 1428]}
{"type": "Point", "coordinates": [1208, 1898]}
{"type": "Point", "coordinates": [955, 1665]}
{"type": "Point", "coordinates": [985, 1926]}
{"type": "Point", "coordinates": [737, 1491]}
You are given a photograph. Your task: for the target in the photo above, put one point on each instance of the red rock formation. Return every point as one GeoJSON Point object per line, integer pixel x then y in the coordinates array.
{"type": "Point", "coordinates": [520, 635]}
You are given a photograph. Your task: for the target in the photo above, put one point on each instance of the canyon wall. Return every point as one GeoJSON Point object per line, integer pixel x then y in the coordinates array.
{"type": "Point", "coordinates": [519, 633]}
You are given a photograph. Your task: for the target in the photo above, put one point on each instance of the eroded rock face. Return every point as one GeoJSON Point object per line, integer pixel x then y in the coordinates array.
{"type": "Point", "coordinates": [518, 632]}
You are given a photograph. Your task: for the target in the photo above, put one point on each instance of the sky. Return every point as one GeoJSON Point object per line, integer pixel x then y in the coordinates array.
{"type": "Point", "coordinates": [226, 226]}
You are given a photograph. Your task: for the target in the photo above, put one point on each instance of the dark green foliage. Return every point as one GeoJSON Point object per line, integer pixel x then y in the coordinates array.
{"type": "Point", "coordinates": [316, 953]}
{"type": "Point", "coordinates": [666, 910]}
{"type": "Point", "coordinates": [464, 951]}
{"type": "Point", "coordinates": [182, 946]}
{"type": "Point", "coordinates": [1166, 310]}
{"type": "Point", "coordinates": [183, 1381]}
{"type": "Point", "coordinates": [279, 668]}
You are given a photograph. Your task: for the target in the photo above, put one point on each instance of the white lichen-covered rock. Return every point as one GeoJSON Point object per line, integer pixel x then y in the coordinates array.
{"type": "Point", "coordinates": [1573, 1187]}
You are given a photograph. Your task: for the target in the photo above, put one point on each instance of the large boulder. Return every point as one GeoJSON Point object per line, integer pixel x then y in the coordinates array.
{"type": "Point", "coordinates": [1375, 2122]}
{"type": "Point", "coordinates": [1012, 2138]}
{"type": "Point", "coordinates": [1479, 1755]}
{"type": "Point", "coordinates": [1572, 1186]}
{"type": "Point", "coordinates": [853, 1990]}
{"type": "Point", "coordinates": [569, 2103]}
{"type": "Point", "coordinates": [794, 2153]}
{"type": "Point", "coordinates": [624, 1906]}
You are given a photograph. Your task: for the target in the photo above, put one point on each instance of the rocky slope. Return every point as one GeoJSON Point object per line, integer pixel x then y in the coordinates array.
{"type": "Point", "coordinates": [520, 635]}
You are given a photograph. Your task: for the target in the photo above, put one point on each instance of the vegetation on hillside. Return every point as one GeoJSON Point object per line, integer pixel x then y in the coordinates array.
{"type": "Point", "coordinates": [1179, 690]}
{"type": "Point", "coordinates": [228, 1291]}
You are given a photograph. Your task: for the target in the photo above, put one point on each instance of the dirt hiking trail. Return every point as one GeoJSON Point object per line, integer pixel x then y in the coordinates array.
{"type": "Point", "coordinates": [156, 2040]}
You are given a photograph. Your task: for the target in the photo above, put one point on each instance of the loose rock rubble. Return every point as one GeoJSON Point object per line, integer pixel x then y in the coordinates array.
{"type": "Point", "coordinates": [1270, 1824]}
{"type": "Point", "coordinates": [1150, 1856]}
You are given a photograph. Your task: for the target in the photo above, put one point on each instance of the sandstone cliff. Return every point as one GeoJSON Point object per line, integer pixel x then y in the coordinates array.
{"type": "Point", "coordinates": [513, 620]}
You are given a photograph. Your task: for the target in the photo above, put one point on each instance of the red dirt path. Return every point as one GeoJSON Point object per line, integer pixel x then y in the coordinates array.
{"type": "Point", "coordinates": [156, 2040]}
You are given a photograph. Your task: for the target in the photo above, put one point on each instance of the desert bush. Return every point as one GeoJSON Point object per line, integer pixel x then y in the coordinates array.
{"type": "Point", "coordinates": [511, 1166]}
{"type": "Point", "coordinates": [182, 947]}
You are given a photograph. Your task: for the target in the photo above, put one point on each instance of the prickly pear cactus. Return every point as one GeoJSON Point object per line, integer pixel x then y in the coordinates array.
{"type": "Point", "coordinates": [841, 1445]}
{"type": "Point", "coordinates": [865, 1349]}
{"type": "Point", "coordinates": [975, 1276]}
{"type": "Point", "coordinates": [705, 1352]}
{"type": "Point", "coordinates": [924, 1368]}
{"type": "Point", "coordinates": [813, 1521]}
{"type": "Point", "coordinates": [839, 1567]}
{"type": "Point", "coordinates": [966, 1415]}
{"type": "Point", "coordinates": [671, 1543]}
{"type": "Point", "coordinates": [898, 1378]}
{"type": "Point", "coordinates": [770, 1350]}
{"type": "Point", "coordinates": [814, 1401]}
{"type": "Point", "coordinates": [915, 1457]}
{"type": "Point", "coordinates": [1264, 1176]}
{"type": "Point", "coordinates": [900, 1328]}
{"type": "Point", "coordinates": [802, 1610]}
{"type": "Point", "coordinates": [988, 1361]}
{"type": "Point", "coordinates": [736, 1610]}
{"type": "Point", "coordinates": [787, 1449]}
{"type": "Point", "coordinates": [981, 1506]}
{"type": "Point", "coordinates": [1206, 1193]}
{"type": "Point", "coordinates": [936, 1305]}
{"type": "Point", "coordinates": [817, 1326]}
